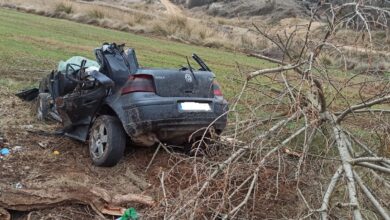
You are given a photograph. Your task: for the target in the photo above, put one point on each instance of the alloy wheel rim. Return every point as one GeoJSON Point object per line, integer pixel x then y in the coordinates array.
{"type": "Point", "coordinates": [99, 141]}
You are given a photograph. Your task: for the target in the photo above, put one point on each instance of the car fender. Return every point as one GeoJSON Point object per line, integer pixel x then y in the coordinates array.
{"type": "Point", "coordinates": [113, 106]}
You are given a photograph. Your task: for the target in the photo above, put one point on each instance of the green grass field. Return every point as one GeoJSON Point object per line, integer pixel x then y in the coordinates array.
{"type": "Point", "coordinates": [31, 43]}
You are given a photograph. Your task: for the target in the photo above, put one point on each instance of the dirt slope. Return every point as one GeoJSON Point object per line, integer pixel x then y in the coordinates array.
{"type": "Point", "coordinates": [273, 9]}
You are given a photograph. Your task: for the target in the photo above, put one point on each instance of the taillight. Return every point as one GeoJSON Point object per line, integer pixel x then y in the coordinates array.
{"type": "Point", "coordinates": [217, 89]}
{"type": "Point", "coordinates": [139, 83]}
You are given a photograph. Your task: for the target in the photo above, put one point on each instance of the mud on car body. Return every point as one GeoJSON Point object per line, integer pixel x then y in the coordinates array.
{"type": "Point", "coordinates": [115, 98]}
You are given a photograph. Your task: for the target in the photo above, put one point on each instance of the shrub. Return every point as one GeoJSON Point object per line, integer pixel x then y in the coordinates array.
{"type": "Point", "coordinates": [326, 60]}
{"type": "Point", "coordinates": [64, 7]}
{"type": "Point", "coordinates": [137, 19]}
{"type": "Point", "coordinates": [246, 41]}
{"type": "Point", "coordinates": [96, 14]}
{"type": "Point", "coordinates": [160, 28]}
{"type": "Point", "coordinates": [178, 22]}
{"type": "Point", "coordinates": [173, 25]}
{"type": "Point", "coordinates": [215, 43]}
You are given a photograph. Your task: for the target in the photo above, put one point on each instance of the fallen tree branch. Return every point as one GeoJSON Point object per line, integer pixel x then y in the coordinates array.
{"type": "Point", "coordinates": [360, 106]}
{"type": "Point", "coordinates": [366, 148]}
{"type": "Point", "coordinates": [374, 167]}
{"type": "Point", "coordinates": [382, 180]}
{"type": "Point", "coordinates": [260, 56]}
{"type": "Point", "coordinates": [259, 166]}
{"type": "Point", "coordinates": [234, 156]}
{"type": "Point", "coordinates": [343, 145]}
{"type": "Point", "coordinates": [332, 185]}
{"type": "Point", "coordinates": [4, 214]}
{"type": "Point", "coordinates": [53, 195]}
{"type": "Point", "coordinates": [370, 159]}
{"type": "Point", "coordinates": [367, 111]}
{"type": "Point", "coordinates": [273, 70]}
{"type": "Point", "coordinates": [372, 199]}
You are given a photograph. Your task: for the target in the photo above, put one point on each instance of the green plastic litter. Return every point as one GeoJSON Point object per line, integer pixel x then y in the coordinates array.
{"type": "Point", "coordinates": [130, 214]}
{"type": "Point", "coordinates": [76, 60]}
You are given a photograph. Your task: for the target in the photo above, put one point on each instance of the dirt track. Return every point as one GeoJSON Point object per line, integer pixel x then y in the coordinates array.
{"type": "Point", "coordinates": [172, 8]}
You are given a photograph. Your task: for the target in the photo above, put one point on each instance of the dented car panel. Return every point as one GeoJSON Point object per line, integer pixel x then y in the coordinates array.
{"type": "Point", "coordinates": [148, 113]}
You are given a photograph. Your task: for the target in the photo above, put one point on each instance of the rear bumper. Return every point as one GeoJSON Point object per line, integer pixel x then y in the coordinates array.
{"type": "Point", "coordinates": [159, 117]}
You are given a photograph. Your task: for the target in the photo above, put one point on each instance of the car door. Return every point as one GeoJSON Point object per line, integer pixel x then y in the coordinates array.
{"type": "Point", "coordinates": [77, 110]}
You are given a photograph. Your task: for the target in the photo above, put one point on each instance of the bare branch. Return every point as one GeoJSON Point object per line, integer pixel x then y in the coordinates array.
{"type": "Point", "coordinates": [360, 106]}
{"type": "Point", "coordinates": [375, 203]}
{"type": "Point", "coordinates": [273, 70]}
{"type": "Point", "coordinates": [369, 159]}
{"type": "Point", "coordinates": [260, 56]}
{"type": "Point", "coordinates": [332, 185]}
{"type": "Point", "coordinates": [261, 164]}
{"type": "Point", "coordinates": [367, 111]}
{"type": "Point", "coordinates": [343, 145]}
{"type": "Point", "coordinates": [375, 167]}
{"type": "Point", "coordinates": [234, 156]}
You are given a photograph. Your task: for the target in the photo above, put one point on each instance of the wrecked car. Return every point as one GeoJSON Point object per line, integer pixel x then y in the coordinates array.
{"type": "Point", "coordinates": [113, 99]}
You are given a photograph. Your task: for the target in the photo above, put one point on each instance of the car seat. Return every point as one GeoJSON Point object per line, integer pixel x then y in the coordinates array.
{"type": "Point", "coordinates": [113, 63]}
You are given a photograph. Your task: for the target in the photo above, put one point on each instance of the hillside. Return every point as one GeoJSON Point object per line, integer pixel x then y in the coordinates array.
{"type": "Point", "coordinates": [222, 24]}
{"type": "Point", "coordinates": [50, 40]}
{"type": "Point", "coordinates": [270, 9]}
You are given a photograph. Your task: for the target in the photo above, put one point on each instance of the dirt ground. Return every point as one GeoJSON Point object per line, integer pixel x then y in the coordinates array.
{"type": "Point", "coordinates": [32, 162]}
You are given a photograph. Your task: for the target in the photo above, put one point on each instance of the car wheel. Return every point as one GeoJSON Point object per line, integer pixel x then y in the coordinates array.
{"type": "Point", "coordinates": [43, 106]}
{"type": "Point", "coordinates": [107, 141]}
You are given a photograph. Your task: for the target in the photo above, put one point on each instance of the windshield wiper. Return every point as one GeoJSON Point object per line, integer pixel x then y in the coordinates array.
{"type": "Point", "coordinates": [191, 70]}
{"type": "Point", "coordinates": [201, 63]}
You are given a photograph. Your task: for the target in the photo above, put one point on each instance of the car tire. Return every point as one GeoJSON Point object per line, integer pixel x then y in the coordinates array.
{"type": "Point", "coordinates": [43, 106]}
{"type": "Point", "coordinates": [107, 141]}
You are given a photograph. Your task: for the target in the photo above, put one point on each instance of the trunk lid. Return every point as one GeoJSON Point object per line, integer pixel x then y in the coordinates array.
{"type": "Point", "coordinates": [178, 83]}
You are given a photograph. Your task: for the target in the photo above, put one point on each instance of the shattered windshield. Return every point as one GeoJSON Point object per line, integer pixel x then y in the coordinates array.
{"type": "Point", "coordinates": [75, 62]}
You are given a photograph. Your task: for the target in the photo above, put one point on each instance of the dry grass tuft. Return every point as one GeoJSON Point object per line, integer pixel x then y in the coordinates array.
{"type": "Point", "coordinates": [64, 7]}
{"type": "Point", "coordinates": [96, 13]}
